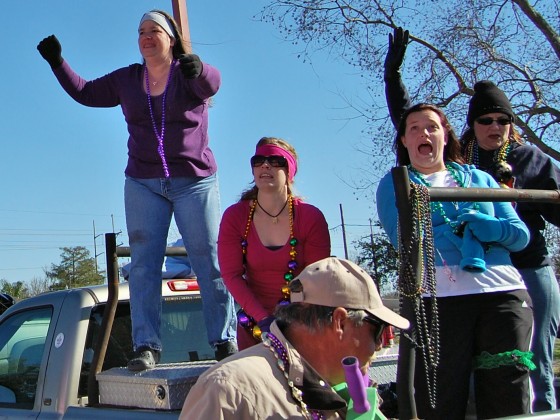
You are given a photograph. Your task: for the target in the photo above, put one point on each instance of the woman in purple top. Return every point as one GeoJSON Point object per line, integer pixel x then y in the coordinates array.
{"type": "Point", "coordinates": [170, 170]}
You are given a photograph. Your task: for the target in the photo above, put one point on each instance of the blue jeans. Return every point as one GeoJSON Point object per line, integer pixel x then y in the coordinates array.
{"type": "Point", "coordinates": [149, 206]}
{"type": "Point", "coordinates": [543, 288]}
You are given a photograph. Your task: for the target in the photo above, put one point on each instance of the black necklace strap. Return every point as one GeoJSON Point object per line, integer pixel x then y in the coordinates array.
{"type": "Point", "coordinates": [272, 215]}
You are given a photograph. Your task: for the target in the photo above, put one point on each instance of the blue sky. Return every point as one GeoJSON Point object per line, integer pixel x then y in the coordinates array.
{"type": "Point", "coordinates": [63, 163]}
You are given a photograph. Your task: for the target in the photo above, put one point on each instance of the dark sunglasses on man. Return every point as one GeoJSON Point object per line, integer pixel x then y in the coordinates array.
{"type": "Point", "coordinates": [379, 327]}
{"type": "Point", "coordinates": [273, 160]}
{"type": "Point", "coordinates": [489, 120]}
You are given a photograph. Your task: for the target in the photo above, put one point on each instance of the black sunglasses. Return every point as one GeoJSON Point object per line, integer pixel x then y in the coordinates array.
{"type": "Point", "coordinates": [489, 121]}
{"type": "Point", "coordinates": [274, 161]}
{"type": "Point", "coordinates": [379, 325]}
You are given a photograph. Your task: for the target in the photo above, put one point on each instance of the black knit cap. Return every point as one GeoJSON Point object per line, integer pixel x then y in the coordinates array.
{"type": "Point", "coordinates": [488, 98]}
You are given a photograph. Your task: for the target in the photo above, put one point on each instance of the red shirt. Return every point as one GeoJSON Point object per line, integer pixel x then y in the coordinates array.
{"type": "Point", "coordinates": [257, 285]}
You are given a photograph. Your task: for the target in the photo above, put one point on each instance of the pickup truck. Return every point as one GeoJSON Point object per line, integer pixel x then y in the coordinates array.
{"type": "Point", "coordinates": [49, 345]}
{"type": "Point", "coordinates": [55, 349]}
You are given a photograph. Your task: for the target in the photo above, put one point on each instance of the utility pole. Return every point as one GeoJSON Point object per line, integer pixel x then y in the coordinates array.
{"type": "Point", "coordinates": [95, 236]}
{"type": "Point", "coordinates": [374, 257]}
{"type": "Point", "coordinates": [95, 248]}
{"type": "Point", "coordinates": [343, 232]}
{"type": "Point", "coordinates": [181, 17]}
{"type": "Point", "coordinates": [113, 225]}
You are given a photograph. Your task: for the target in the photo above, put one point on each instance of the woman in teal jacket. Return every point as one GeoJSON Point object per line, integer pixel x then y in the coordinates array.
{"type": "Point", "coordinates": [483, 317]}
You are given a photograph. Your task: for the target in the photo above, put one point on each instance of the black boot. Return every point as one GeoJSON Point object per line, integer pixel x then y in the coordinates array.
{"type": "Point", "coordinates": [145, 358]}
{"type": "Point", "coordinates": [225, 349]}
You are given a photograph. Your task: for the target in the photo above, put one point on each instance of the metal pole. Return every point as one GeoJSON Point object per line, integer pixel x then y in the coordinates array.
{"type": "Point", "coordinates": [108, 318]}
{"type": "Point", "coordinates": [170, 251]}
{"type": "Point", "coordinates": [407, 356]}
{"type": "Point", "coordinates": [493, 194]}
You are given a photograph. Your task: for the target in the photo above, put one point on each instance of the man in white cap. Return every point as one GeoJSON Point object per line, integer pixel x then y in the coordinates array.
{"type": "Point", "coordinates": [335, 311]}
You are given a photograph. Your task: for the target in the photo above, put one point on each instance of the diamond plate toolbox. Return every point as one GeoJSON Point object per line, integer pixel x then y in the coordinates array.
{"type": "Point", "coordinates": [162, 388]}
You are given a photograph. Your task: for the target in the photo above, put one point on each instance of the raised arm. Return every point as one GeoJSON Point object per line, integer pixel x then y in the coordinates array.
{"type": "Point", "coordinates": [395, 92]}
{"type": "Point", "coordinates": [96, 93]}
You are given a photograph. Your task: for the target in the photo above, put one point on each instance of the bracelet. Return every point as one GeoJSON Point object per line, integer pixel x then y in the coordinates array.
{"type": "Point", "coordinates": [249, 324]}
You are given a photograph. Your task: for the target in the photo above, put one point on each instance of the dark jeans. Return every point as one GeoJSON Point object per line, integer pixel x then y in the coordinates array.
{"type": "Point", "coordinates": [469, 325]}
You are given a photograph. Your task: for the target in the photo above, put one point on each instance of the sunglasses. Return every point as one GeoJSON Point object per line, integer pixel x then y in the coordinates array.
{"type": "Point", "coordinates": [489, 121]}
{"type": "Point", "coordinates": [274, 161]}
{"type": "Point", "coordinates": [379, 325]}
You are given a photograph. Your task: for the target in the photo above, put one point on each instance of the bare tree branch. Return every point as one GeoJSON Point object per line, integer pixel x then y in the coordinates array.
{"type": "Point", "coordinates": [540, 23]}
{"type": "Point", "coordinates": [512, 43]}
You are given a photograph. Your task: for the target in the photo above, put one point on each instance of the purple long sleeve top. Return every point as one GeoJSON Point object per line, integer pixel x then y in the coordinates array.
{"type": "Point", "coordinates": [186, 117]}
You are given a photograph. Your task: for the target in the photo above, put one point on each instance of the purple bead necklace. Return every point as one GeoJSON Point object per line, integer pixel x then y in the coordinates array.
{"type": "Point", "coordinates": [160, 134]}
{"type": "Point", "coordinates": [277, 348]}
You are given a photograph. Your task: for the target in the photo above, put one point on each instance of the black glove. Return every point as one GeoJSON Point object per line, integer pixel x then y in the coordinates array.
{"type": "Point", "coordinates": [191, 66]}
{"type": "Point", "coordinates": [51, 51]}
{"type": "Point", "coordinates": [395, 54]}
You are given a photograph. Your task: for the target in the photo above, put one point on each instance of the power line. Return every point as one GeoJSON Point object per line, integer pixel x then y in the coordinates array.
{"type": "Point", "coordinates": [53, 212]}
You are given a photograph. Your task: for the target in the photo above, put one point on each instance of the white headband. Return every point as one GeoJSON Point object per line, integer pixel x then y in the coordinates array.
{"type": "Point", "coordinates": [160, 19]}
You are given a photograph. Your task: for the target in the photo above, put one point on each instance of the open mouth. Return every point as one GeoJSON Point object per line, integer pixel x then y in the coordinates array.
{"type": "Point", "coordinates": [425, 149]}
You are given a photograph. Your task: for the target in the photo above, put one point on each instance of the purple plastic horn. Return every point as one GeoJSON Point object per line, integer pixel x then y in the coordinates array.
{"type": "Point", "coordinates": [356, 384]}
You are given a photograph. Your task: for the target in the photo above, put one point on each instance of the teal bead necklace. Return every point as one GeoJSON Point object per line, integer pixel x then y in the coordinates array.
{"type": "Point", "coordinates": [437, 206]}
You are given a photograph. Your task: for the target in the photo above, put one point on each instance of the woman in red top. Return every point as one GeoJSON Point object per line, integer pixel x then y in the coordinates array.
{"type": "Point", "coordinates": [267, 238]}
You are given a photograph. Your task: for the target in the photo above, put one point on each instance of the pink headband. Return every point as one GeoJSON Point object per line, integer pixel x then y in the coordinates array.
{"type": "Point", "coordinates": [271, 150]}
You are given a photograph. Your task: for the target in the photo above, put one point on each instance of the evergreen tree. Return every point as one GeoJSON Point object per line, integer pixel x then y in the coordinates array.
{"type": "Point", "coordinates": [76, 269]}
{"type": "Point", "coordinates": [379, 257]}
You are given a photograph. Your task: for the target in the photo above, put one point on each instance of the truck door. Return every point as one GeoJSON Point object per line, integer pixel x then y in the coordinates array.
{"type": "Point", "coordinates": [22, 347]}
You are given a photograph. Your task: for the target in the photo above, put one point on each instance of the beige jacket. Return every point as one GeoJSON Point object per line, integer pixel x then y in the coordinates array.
{"type": "Point", "coordinates": [250, 385]}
